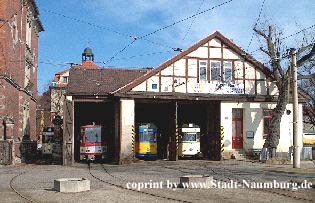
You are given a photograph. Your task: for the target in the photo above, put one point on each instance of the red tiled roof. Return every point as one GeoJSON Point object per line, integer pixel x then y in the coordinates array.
{"type": "Point", "coordinates": [88, 65]}
{"type": "Point", "coordinates": [100, 81]}
{"type": "Point", "coordinates": [84, 65]}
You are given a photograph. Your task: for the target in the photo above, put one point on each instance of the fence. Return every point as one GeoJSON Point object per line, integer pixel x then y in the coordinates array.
{"type": "Point", "coordinates": [28, 151]}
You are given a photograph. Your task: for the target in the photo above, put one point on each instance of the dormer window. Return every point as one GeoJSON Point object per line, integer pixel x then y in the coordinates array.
{"type": "Point", "coordinates": [65, 79]}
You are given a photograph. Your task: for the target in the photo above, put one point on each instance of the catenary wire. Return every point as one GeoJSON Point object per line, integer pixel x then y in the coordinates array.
{"type": "Point", "coordinates": [258, 18]}
{"type": "Point", "coordinates": [192, 21]}
{"type": "Point", "coordinates": [184, 19]}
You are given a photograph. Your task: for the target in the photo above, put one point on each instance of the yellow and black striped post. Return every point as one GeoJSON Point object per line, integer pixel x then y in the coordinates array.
{"type": "Point", "coordinates": [177, 139]}
{"type": "Point", "coordinates": [222, 138]}
{"type": "Point", "coordinates": [133, 140]}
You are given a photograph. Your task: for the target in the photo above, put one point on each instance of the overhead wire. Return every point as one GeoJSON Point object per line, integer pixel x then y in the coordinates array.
{"type": "Point", "coordinates": [103, 27]}
{"type": "Point", "coordinates": [135, 38]}
{"type": "Point", "coordinates": [307, 28]}
{"type": "Point", "coordinates": [49, 62]}
{"type": "Point", "coordinates": [257, 20]}
{"type": "Point", "coordinates": [192, 21]}
{"type": "Point", "coordinates": [184, 19]}
{"type": "Point", "coordinates": [120, 51]}
{"type": "Point", "coordinates": [157, 43]}
{"type": "Point", "coordinates": [288, 36]}
{"type": "Point", "coordinates": [87, 22]}
{"type": "Point", "coordinates": [165, 27]}
{"type": "Point", "coordinates": [140, 55]}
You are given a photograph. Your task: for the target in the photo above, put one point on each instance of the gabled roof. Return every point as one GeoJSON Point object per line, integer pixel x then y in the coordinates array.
{"type": "Point", "coordinates": [100, 81]}
{"type": "Point", "coordinates": [62, 72]}
{"type": "Point", "coordinates": [217, 35]}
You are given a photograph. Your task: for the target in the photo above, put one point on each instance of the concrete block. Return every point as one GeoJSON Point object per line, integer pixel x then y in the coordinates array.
{"type": "Point", "coordinates": [67, 185]}
{"type": "Point", "coordinates": [196, 181]}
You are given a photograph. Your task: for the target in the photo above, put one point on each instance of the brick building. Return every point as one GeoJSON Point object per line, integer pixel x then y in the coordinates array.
{"type": "Point", "coordinates": [19, 31]}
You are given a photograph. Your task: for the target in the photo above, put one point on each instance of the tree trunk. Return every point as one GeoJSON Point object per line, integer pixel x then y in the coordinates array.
{"type": "Point", "coordinates": [272, 139]}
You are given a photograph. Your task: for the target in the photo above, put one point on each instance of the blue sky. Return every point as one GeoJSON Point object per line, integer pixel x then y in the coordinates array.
{"type": "Point", "coordinates": [68, 29]}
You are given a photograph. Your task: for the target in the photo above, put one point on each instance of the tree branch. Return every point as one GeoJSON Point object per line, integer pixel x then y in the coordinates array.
{"type": "Point", "coordinates": [306, 58]}
{"type": "Point", "coordinates": [264, 50]}
{"type": "Point", "coordinates": [259, 32]}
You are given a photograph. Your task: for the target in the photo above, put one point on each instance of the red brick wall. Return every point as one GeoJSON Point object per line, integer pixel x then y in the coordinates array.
{"type": "Point", "coordinates": [12, 63]}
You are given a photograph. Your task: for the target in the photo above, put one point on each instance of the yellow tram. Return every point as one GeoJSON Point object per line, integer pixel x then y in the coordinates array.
{"type": "Point", "coordinates": [146, 141]}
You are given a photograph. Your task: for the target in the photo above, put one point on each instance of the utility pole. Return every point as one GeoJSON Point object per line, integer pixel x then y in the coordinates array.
{"type": "Point", "coordinates": [296, 136]}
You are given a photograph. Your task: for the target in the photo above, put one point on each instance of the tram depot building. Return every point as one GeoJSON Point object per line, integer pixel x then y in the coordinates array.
{"type": "Point", "coordinates": [213, 84]}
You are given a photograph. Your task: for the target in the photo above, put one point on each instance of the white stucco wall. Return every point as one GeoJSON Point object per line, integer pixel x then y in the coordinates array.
{"type": "Point", "coordinates": [253, 121]}
{"type": "Point", "coordinates": [142, 87]}
{"type": "Point", "coordinates": [189, 66]}
{"type": "Point", "coordinates": [127, 120]}
{"type": "Point", "coordinates": [151, 82]}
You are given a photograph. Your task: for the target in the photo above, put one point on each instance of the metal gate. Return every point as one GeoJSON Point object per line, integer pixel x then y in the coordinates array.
{"type": "Point", "coordinates": [68, 145]}
{"type": "Point", "coordinates": [6, 148]}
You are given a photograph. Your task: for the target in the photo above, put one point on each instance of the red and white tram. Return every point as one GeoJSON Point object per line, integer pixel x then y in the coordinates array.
{"type": "Point", "coordinates": [92, 143]}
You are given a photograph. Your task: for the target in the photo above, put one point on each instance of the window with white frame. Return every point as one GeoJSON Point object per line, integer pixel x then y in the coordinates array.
{"type": "Point", "coordinates": [215, 70]}
{"type": "Point", "coordinates": [202, 70]}
{"type": "Point", "coordinates": [227, 67]}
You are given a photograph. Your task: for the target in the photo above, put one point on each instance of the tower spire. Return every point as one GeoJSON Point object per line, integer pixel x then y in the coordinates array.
{"type": "Point", "coordinates": [87, 55]}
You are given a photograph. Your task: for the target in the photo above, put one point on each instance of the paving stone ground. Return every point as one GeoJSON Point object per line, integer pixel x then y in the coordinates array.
{"type": "Point", "coordinates": [36, 182]}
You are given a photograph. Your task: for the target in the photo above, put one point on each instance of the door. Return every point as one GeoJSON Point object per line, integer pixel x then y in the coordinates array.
{"type": "Point", "coordinates": [237, 128]}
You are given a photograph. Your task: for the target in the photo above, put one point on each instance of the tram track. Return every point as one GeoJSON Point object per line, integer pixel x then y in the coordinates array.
{"type": "Point", "coordinates": [133, 190]}
{"type": "Point", "coordinates": [17, 192]}
{"type": "Point", "coordinates": [225, 175]}
{"type": "Point", "coordinates": [281, 192]}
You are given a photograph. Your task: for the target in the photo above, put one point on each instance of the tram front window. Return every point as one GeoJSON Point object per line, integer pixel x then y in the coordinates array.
{"type": "Point", "coordinates": [189, 137]}
{"type": "Point", "coordinates": [93, 134]}
{"type": "Point", "coordinates": [147, 137]}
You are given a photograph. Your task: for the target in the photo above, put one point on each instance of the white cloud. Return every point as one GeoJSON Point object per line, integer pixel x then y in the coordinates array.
{"type": "Point", "coordinates": [129, 10]}
{"type": "Point", "coordinates": [234, 19]}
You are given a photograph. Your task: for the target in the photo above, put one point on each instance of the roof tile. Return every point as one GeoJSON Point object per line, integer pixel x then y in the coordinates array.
{"type": "Point", "coordinates": [100, 81]}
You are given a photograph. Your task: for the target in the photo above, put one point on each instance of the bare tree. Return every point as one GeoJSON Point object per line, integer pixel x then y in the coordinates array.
{"type": "Point", "coordinates": [307, 81]}
{"type": "Point", "coordinates": [57, 99]}
{"type": "Point", "coordinates": [276, 51]}
{"type": "Point", "coordinates": [307, 86]}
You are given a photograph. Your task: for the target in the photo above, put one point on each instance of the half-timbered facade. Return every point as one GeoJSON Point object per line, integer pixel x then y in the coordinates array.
{"type": "Point", "coordinates": [214, 84]}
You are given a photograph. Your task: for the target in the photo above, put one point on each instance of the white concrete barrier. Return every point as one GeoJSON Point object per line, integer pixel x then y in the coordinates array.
{"type": "Point", "coordinates": [196, 181]}
{"type": "Point", "coordinates": [71, 185]}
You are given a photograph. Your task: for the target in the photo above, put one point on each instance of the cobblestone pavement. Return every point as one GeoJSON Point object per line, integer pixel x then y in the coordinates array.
{"type": "Point", "coordinates": [111, 182]}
